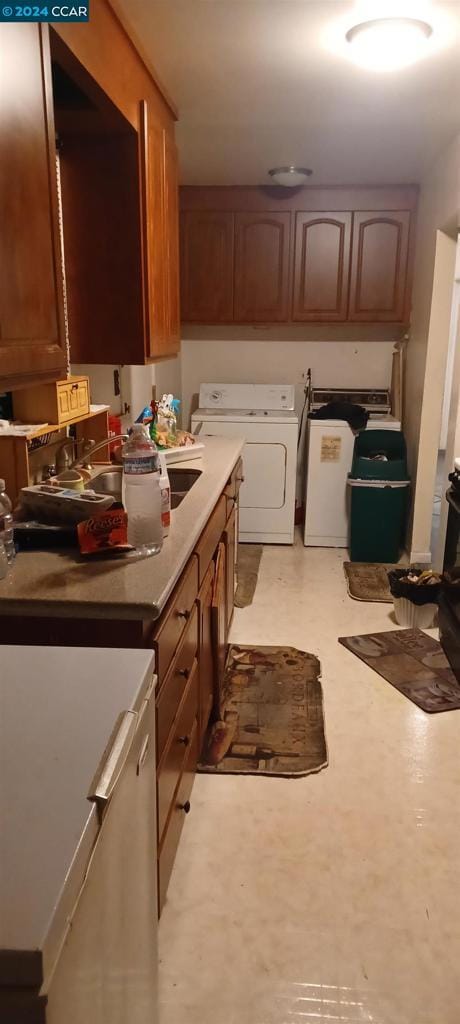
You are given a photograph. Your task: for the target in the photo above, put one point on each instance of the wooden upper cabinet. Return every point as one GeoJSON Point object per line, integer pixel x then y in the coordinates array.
{"type": "Point", "coordinates": [379, 276]}
{"type": "Point", "coordinates": [172, 243]}
{"type": "Point", "coordinates": [321, 266]}
{"type": "Point", "coordinates": [160, 226]}
{"type": "Point", "coordinates": [32, 333]}
{"type": "Point", "coordinates": [261, 267]}
{"type": "Point", "coordinates": [207, 266]}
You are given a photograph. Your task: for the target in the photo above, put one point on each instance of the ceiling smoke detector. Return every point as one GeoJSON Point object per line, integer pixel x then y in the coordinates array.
{"type": "Point", "coordinates": [290, 177]}
{"type": "Point", "coordinates": [386, 44]}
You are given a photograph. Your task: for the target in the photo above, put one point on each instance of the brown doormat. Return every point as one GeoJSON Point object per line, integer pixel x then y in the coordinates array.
{"type": "Point", "coordinates": [368, 581]}
{"type": "Point", "coordinates": [273, 715]}
{"type": "Point", "coordinates": [247, 573]}
{"type": "Point", "coordinates": [412, 662]}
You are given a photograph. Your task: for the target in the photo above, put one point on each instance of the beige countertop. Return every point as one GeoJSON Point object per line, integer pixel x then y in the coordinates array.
{"type": "Point", "coordinates": [63, 584]}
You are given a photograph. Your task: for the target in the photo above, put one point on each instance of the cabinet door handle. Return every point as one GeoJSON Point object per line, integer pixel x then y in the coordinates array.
{"type": "Point", "coordinates": [185, 672]}
{"type": "Point", "coordinates": [185, 807]}
{"type": "Point", "coordinates": [185, 614]}
{"type": "Point", "coordinates": [185, 740]}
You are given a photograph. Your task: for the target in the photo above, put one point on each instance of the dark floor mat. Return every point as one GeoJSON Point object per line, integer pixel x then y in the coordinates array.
{"type": "Point", "coordinates": [412, 662]}
{"type": "Point", "coordinates": [247, 573]}
{"type": "Point", "coordinates": [273, 715]}
{"type": "Point", "coordinates": [368, 581]}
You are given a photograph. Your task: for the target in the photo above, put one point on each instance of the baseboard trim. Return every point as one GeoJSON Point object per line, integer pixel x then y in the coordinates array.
{"type": "Point", "coordinates": [424, 557]}
{"type": "Point", "coordinates": [246, 537]}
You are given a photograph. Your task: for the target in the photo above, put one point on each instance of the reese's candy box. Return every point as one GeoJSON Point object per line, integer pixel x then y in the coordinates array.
{"type": "Point", "coordinates": [106, 531]}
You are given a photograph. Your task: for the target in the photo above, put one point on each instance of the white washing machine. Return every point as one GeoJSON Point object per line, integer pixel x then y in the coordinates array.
{"type": "Point", "coordinates": [329, 445]}
{"type": "Point", "coordinates": [263, 414]}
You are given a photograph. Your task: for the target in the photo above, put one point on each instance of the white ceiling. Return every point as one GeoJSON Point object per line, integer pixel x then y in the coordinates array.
{"type": "Point", "coordinates": [260, 83]}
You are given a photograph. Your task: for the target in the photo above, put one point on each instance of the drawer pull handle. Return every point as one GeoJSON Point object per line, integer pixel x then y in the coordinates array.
{"type": "Point", "coordinates": [185, 807]}
{"type": "Point", "coordinates": [183, 614]}
{"type": "Point", "coordinates": [185, 672]}
{"type": "Point", "coordinates": [240, 479]}
{"type": "Point", "coordinates": [185, 740]}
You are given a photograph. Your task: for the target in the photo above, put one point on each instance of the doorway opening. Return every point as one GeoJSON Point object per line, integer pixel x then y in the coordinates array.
{"type": "Point", "coordinates": [444, 459]}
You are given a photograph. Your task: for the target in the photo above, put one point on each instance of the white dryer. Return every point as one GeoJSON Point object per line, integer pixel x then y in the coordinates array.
{"type": "Point", "coordinates": [263, 414]}
{"type": "Point", "coordinates": [330, 445]}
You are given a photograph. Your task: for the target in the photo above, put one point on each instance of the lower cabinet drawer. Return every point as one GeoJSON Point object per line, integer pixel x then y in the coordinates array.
{"type": "Point", "coordinates": [175, 755]}
{"type": "Point", "coordinates": [175, 823]}
{"type": "Point", "coordinates": [172, 690]}
{"type": "Point", "coordinates": [210, 537]}
{"type": "Point", "coordinates": [178, 611]}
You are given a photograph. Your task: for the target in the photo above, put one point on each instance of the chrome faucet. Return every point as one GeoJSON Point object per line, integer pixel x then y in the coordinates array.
{"type": "Point", "coordinates": [81, 460]}
{"type": "Point", "coordinates": [63, 458]}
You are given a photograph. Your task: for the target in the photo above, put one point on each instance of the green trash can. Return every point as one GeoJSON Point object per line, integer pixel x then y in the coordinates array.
{"type": "Point", "coordinates": [379, 496]}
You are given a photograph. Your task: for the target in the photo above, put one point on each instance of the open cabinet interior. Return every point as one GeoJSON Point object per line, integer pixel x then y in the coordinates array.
{"type": "Point", "coordinates": [101, 210]}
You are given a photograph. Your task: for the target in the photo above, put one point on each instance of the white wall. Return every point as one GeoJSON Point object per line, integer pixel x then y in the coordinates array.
{"type": "Point", "coordinates": [136, 383]}
{"type": "Point", "coordinates": [451, 353]}
{"type": "Point", "coordinates": [265, 361]}
{"type": "Point", "coordinates": [427, 350]}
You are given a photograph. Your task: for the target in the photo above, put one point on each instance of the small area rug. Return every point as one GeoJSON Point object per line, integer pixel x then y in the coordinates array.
{"type": "Point", "coordinates": [273, 720]}
{"type": "Point", "coordinates": [412, 662]}
{"type": "Point", "coordinates": [368, 581]}
{"type": "Point", "coordinates": [247, 573]}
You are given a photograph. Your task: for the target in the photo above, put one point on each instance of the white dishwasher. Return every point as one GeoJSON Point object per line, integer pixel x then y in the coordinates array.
{"type": "Point", "coordinates": [78, 908]}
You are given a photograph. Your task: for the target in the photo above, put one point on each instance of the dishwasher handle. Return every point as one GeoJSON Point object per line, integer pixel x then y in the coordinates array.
{"type": "Point", "coordinates": [114, 758]}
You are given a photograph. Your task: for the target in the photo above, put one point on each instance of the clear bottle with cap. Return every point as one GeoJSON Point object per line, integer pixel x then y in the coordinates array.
{"type": "Point", "coordinates": [6, 523]}
{"type": "Point", "coordinates": [141, 491]}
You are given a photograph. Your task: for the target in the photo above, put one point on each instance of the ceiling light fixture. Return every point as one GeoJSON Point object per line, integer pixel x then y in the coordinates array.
{"type": "Point", "coordinates": [386, 44]}
{"type": "Point", "coordinates": [290, 177]}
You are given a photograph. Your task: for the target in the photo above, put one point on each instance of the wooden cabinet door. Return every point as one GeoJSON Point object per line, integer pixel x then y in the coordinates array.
{"type": "Point", "coordinates": [206, 655]}
{"type": "Point", "coordinates": [379, 275]}
{"type": "Point", "coordinates": [207, 266]}
{"type": "Point", "coordinates": [261, 266]}
{"type": "Point", "coordinates": [172, 340]}
{"type": "Point", "coordinates": [160, 243]}
{"type": "Point", "coordinates": [321, 266]}
{"type": "Point", "coordinates": [230, 574]}
{"type": "Point", "coordinates": [219, 624]}
{"type": "Point", "coordinates": [32, 332]}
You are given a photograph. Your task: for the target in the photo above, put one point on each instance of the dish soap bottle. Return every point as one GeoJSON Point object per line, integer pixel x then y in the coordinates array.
{"type": "Point", "coordinates": [141, 491]}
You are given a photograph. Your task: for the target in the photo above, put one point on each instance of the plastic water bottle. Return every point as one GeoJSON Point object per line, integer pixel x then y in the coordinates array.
{"type": "Point", "coordinates": [6, 523]}
{"type": "Point", "coordinates": [141, 491]}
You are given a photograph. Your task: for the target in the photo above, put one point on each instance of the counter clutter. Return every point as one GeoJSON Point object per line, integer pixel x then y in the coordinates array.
{"type": "Point", "coordinates": [60, 583]}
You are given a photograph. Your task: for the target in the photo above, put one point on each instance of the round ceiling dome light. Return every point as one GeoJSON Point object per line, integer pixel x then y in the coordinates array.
{"type": "Point", "coordinates": [290, 177]}
{"type": "Point", "coordinates": [386, 44]}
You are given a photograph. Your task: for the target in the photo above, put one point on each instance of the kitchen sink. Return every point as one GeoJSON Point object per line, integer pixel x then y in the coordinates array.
{"type": "Point", "coordinates": [108, 481]}
{"type": "Point", "coordinates": [181, 481]}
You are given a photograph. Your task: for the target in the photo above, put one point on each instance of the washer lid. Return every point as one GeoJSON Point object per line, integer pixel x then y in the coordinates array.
{"type": "Point", "coordinates": [375, 422]}
{"type": "Point", "coordinates": [247, 396]}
